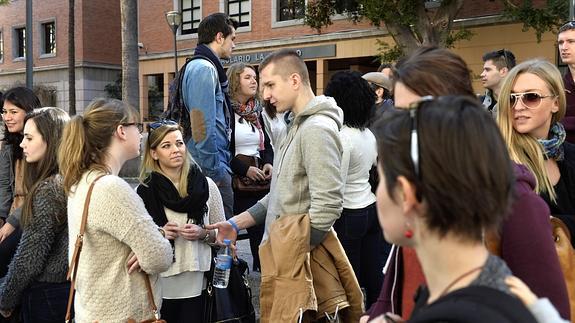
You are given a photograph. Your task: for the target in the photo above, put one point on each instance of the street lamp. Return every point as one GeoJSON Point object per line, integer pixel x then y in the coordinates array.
{"type": "Point", "coordinates": [174, 19]}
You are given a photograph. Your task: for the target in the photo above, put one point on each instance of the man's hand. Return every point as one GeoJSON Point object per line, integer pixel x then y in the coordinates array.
{"type": "Point", "coordinates": [225, 231]}
{"type": "Point", "coordinates": [6, 230]}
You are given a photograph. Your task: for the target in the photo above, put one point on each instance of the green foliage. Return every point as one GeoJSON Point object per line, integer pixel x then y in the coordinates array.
{"type": "Point", "coordinates": [388, 53]}
{"type": "Point", "coordinates": [4, 2]}
{"type": "Point", "coordinates": [461, 34]}
{"type": "Point", "coordinates": [541, 20]}
{"type": "Point", "coordinates": [114, 90]}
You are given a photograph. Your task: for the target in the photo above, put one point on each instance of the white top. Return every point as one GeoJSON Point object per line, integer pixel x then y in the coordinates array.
{"type": "Point", "coordinates": [359, 156]}
{"type": "Point", "coordinates": [185, 277]}
{"type": "Point", "coordinates": [276, 128]}
{"type": "Point", "coordinates": [117, 225]}
{"type": "Point", "coordinates": [247, 140]}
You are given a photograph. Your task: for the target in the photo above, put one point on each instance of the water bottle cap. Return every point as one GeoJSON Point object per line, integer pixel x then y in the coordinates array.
{"type": "Point", "coordinates": [227, 242]}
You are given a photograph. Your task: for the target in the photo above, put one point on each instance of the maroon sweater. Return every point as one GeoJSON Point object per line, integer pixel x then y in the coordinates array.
{"type": "Point", "coordinates": [569, 120]}
{"type": "Point", "coordinates": [526, 246]}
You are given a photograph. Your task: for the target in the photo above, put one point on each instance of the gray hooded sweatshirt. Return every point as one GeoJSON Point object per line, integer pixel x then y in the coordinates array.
{"type": "Point", "coordinates": [306, 176]}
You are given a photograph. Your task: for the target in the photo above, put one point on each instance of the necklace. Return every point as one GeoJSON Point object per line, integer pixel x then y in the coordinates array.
{"type": "Point", "coordinates": [459, 278]}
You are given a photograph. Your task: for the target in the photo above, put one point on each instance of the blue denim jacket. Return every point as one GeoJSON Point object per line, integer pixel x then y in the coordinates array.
{"type": "Point", "coordinates": [210, 141]}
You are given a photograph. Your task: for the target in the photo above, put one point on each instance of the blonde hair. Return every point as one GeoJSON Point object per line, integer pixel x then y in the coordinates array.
{"type": "Point", "coordinates": [86, 138]}
{"type": "Point", "coordinates": [150, 165]}
{"type": "Point", "coordinates": [524, 148]}
{"type": "Point", "coordinates": [233, 73]}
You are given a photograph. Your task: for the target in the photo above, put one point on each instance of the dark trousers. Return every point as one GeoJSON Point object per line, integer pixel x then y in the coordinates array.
{"type": "Point", "coordinates": [7, 250]}
{"type": "Point", "coordinates": [45, 302]}
{"type": "Point", "coordinates": [362, 239]}
{"type": "Point", "coordinates": [184, 310]}
{"type": "Point", "coordinates": [242, 202]}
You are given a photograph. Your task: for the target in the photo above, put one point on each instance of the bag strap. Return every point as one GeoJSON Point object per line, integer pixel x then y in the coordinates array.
{"type": "Point", "coordinates": [73, 269]}
{"type": "Point", "coordinates": [151, 296]}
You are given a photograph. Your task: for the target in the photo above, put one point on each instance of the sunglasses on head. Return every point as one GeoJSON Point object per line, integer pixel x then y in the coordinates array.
{"type": "Point", "coordinates": [531, 100]}
{"type": "Point", "coordinates": [164, 122]}
{"type": "Point", "coordinates": [414, 137]}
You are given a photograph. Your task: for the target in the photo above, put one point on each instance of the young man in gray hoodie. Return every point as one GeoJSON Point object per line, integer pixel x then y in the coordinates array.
{"type": "Point", "coordinates": [306, 176]}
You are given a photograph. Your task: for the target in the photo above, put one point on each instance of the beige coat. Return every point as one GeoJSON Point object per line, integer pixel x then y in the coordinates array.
{"type": "Point", "coordinates": [296, 280]}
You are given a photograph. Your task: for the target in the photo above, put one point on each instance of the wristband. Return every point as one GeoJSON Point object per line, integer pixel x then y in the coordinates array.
{"type": "Point", "coordinates": [234, 225]}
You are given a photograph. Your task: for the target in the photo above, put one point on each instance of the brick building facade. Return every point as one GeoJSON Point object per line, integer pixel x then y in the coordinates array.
{"type": "Point", "coordinates": [97, 40]}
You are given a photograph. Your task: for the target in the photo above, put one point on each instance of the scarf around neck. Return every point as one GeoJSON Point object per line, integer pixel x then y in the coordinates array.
{"type": "Point", "coordinates": [250, 111]}
{"type": "Point", "coordinates": [554, 145]}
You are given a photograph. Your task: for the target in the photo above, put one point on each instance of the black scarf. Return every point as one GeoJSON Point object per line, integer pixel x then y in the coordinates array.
{"type": "Point", "coordinates": [164, 194]}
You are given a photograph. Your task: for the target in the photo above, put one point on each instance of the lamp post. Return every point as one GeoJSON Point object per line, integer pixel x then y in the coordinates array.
{"type": "Point", "coordinates": [174, 19]}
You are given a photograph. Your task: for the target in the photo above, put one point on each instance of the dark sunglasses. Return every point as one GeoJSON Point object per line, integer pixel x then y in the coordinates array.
{"type": "Point", "coordinates": [140, 126]}
{"type": "Point", "coordinates": [530, 100]}
{"type": "Point", "coordinates": [567, 26]}
{"type": "Point", "coordinates": [164, 122]}
{"type": "Point", "coordinates": [503, 52]}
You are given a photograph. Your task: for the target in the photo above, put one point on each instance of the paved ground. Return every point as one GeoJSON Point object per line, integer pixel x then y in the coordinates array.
{"type": "Point", "coordinates": [253, 277]}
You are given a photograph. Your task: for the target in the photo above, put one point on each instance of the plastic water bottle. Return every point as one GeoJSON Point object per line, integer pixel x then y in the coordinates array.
{"type": "Point", "coordinates": [223, 266]}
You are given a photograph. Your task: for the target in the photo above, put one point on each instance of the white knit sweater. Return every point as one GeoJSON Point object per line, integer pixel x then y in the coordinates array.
{"type": "Point", "coordinates": [118, 223]}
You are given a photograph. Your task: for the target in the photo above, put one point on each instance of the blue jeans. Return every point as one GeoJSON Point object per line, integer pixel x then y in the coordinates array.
{"type": "Point", "coordinates": [45, 302]}
{"type": "Point", "coordinates": [225, 187]}
{"type": "Point", "coordinates": [359, 232]}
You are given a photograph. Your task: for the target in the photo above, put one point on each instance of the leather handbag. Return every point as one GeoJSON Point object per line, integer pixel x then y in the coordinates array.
{"type": "Point", "coordinates": [73, 269]}
{"type": "Point", "coordinates": [245, 184]}
{"type": "Point", "coordinates": [234, 303]}
{"type": "Point", "coordinates": [566, 255]}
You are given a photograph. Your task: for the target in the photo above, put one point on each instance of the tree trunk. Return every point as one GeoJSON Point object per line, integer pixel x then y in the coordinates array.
{"type": "Point", "coordinates": [130, 80]}
{"type": "Point", "coordinates": [71, 59]}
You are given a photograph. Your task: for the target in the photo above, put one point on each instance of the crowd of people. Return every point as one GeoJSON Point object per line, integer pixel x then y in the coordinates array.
{"type": "Point", "coordinates": [396, 196]}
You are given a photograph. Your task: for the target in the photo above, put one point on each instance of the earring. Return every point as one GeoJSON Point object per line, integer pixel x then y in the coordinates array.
{"type": "Point", "coordinates": [408, 233]}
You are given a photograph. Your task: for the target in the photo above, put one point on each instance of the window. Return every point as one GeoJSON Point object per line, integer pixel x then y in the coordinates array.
{"type": "Point", "coordinates": [155, 96]}
{"type": "Point", "coordinates": [290, 9]}
{"type": "Point", "coordinates": [19, 42]}
{"type": "Point", "coordinates": [1, 46]}
{"type": "Point", "coordinates": [191, 16]}
{"type": "Point", "coordinates": [240, 11]}
{"type": "Point", "coordinates": [48, 40]}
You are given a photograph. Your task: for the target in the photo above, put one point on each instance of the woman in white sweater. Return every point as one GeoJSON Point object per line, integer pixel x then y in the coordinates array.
{"type": "Point", "coordinates": [181, 200]}
{"type": "Point", "coordinates": [357, 228]}
{"type": "Point", "coordinates": [121, 239]}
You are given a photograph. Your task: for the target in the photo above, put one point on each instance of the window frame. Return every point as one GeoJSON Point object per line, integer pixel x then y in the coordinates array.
{"type": "Point", "coordinates": [276, 23]}
{"type": "Point", "coordinates": [16, 43]}
{"type": "Point", "coordinates": [42, 32]}
{"type": "Point", "coordinates": [2, 54]}
{"type": "Point", "coordinates": [224, 6]}
{"type": "Point", "coordinates": [178, 5]}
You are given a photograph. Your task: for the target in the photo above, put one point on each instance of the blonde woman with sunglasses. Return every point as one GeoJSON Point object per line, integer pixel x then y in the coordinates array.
{"type": "Point", "coordinates": [529, 118]}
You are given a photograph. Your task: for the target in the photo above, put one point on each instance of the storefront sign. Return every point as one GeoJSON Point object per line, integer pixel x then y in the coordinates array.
{"type": "Point", "coordinates": [303, 52]}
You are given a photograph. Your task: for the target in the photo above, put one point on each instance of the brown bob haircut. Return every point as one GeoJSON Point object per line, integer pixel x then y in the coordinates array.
{"type": "Point", "coordinates": [434, 71]}
{"type": "Point", "coordinates": [465, 173]}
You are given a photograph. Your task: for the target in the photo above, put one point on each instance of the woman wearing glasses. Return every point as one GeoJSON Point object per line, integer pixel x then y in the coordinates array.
{"type": "Point", "coordinates": [441, 212]}
{"type": "Point", "coordinates": [253, 155]}
{"type": "Point", "coordinates": [181, 200]}
{"type": "Point", "coordinates": [529, 120]}
{"type": "Point", "coordinates": [524, 240]}
{"type": "Point", "coordinates": [120, 239]}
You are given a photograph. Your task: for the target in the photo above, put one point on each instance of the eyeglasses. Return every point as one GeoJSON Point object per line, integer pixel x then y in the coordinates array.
{"type": "Point", "coordinates": [163, 122]}
{"type": "Point", "coordinates": [414, 139]}
{"type": "Point", "coordinates": [140, 126]}
{"type": "Point", "coordinates": [530, 100]}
